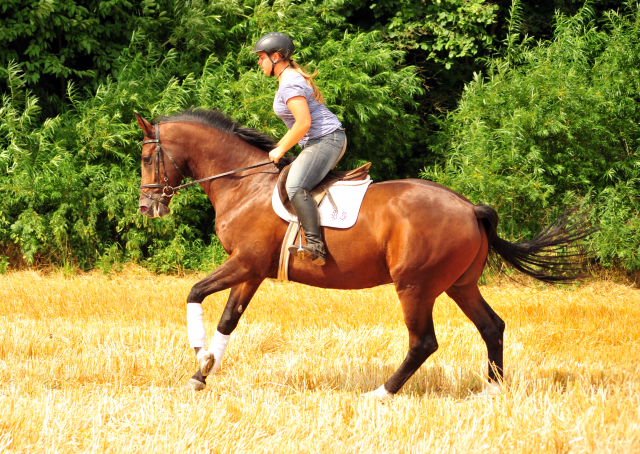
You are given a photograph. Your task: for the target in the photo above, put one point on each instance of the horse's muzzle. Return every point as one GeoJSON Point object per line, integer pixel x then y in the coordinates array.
{"type": "Point", "coordinates": [154, 209]}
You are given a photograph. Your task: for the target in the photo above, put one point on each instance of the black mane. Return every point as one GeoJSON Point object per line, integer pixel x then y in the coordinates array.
{"type": "Point", "coordinates": [221, 122]}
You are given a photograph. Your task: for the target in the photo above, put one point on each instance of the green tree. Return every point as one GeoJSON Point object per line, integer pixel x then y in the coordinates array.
{"type": "Point", "coordinates": [445, 30]}
{"type": "Point", "coordinates": [54, 41]}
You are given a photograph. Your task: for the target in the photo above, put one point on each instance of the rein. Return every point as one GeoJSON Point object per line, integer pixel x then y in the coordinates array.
{"type": "Point", "coordinates": [168, 191]}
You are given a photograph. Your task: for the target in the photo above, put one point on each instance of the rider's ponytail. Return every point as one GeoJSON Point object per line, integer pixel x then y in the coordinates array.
{"type": "Point", "coordinates": [309, 78]}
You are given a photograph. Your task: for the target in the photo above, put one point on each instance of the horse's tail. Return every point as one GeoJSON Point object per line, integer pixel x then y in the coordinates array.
{"type": "Point", "coordinates": [551, 256]}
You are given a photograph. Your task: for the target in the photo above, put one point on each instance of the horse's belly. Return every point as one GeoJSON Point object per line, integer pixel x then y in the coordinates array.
{"type": "Point", "coordinates": [340, 274]}
{"type": "Point", "coordinates": [355, 260]}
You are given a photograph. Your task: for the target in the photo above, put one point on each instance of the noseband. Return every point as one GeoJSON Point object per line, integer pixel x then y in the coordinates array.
{"type": "Point", "coordinates": [168, 191]}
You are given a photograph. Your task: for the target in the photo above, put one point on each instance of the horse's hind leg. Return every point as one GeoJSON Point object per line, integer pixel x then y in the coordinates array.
{"type": "Point", "coordinates": [418, 316]}
{"type": "Point", "coordinates": [489, 324]}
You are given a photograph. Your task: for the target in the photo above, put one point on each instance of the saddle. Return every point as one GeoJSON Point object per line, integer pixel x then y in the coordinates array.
{"type": "Point", "coordinates": [320, 191]}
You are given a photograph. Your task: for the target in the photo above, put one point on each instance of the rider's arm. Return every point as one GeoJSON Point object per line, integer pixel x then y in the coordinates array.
{"type": "Point", "coordinates": [300, 110]}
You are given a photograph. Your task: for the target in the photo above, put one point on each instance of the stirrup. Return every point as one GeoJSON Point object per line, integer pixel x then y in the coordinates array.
{"type": "Point", "coordinates": [304, 252]}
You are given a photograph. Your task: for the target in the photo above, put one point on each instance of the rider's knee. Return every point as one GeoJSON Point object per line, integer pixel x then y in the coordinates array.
{"type": "Point", "coordinates": [291, 190]}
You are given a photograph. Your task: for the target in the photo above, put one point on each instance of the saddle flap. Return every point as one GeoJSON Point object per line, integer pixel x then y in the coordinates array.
{"type": "Point", "coordinates": [320, 190]}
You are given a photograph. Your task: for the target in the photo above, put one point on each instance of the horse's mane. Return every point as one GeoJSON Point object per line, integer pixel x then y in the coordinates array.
{"type": "Point", "coordinates": [218, 120]}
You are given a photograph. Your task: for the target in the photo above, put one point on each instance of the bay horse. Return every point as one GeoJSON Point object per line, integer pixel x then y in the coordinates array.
{"type": "Point", "coordinates": [423, 237]}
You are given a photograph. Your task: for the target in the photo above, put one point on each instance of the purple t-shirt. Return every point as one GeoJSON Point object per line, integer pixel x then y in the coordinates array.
{"type": "Point", "coordinates": [323, 121]}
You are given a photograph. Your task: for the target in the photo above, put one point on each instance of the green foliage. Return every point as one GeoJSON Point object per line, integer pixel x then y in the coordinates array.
{"type": "Point", "coordinates": [618, 209]}
{"type": "Point", "coordinates": [70, 183]}
{"type": "Point", "coordinates": [553, 124]}
{"type": "Point", "coordinates": [538, 17]}
{"type": "Point", "coordinates": [81, 40]}
{"type": "Point", "coordinates": [446, 29]}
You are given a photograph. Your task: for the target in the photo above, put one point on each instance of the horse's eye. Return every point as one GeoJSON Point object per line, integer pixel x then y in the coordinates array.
{"type": "Point", "coordinates": [146, 159]}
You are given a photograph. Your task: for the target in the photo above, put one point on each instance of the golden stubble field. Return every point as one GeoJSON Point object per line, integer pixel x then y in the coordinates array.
{"type": "Point", "coordinates": [93, 363]}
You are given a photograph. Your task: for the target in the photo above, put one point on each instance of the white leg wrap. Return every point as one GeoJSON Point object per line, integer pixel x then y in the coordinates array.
{"type": "Point", "coordinates": [217, 347]}
{"type": "Point", "coordinates": [381, 394]}
{"type": "Point", "coordinates": [195, 325]}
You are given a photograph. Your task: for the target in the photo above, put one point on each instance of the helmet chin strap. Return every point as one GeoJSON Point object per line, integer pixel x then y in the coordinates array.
{"type": "Point", "coordinates": [273, 65]}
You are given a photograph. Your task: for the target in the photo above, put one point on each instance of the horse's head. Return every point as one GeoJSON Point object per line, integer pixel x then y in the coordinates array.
{"type": "Point", "coordinates": [158, 176]}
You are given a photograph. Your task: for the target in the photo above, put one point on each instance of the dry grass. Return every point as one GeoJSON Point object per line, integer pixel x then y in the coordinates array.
{"type": "Point", "coordinates": [96, 364]}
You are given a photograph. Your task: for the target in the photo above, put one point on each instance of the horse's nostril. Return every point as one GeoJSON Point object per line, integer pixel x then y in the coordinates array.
{"type": "Point", "coordinates": [143, 209]}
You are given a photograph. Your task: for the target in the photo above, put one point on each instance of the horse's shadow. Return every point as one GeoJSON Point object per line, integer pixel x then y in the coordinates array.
{"type": "Point", "coordinates": [433, 381]}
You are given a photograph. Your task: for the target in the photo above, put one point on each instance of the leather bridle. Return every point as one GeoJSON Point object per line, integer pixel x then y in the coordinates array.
{"type": "Point", "coordinates": [169, 191]}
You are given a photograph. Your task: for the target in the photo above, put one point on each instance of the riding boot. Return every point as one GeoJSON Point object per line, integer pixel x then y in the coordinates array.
{"type": "Point", "coordinates": [307, 212]}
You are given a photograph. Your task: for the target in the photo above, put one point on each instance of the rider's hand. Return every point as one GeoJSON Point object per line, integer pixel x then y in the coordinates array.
{"type": "Point", "coordinates": [276, 154]}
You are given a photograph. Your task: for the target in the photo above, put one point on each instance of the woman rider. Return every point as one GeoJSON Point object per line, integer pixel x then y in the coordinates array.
{"type": "Point", "coordinates": [299, 103]}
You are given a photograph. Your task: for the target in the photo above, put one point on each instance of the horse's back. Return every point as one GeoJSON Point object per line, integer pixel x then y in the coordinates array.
{"type": "Point", "coordinates": [417, 200]}
{"type": "Point", "coordinates": [417, 184]}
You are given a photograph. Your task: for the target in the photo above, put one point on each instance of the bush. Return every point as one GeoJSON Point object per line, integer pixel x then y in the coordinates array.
{"type": "Point", "coordinates": [551, 125]}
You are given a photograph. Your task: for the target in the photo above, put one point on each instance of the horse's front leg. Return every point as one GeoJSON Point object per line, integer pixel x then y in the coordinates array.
{"type": "Point", "coordinates": [244, 283]}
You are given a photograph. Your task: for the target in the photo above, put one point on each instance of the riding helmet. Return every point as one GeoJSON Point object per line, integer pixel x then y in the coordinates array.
{"type": "Point", "coordinates": [275, 42]}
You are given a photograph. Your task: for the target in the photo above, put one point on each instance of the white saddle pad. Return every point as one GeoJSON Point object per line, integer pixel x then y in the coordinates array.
{"type": "Point", "coordinates": [348, 196]}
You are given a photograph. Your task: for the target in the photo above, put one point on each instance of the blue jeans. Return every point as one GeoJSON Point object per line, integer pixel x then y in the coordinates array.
{"type": "Point", "coordinates": [318, 157]}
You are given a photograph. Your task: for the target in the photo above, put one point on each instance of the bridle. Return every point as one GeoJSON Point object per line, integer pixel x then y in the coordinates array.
{"type": "Point", "coordinates": [169, 191]}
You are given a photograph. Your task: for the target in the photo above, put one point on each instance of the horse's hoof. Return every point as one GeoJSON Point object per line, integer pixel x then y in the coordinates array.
{"type": "Point", "coordinates": [206, 361]}
{"type": "Point", "coordinates": [380, 394]}
{"type": "Point", "coordinates": [195, 385]}
{"type": "Point", "coordinates": [491, 389]}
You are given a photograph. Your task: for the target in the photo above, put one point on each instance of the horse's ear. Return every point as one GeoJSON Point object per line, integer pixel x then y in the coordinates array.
{"type": "Point", "coordinates": [144, 125]}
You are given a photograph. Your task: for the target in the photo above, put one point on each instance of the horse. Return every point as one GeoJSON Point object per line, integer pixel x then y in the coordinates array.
{"type": "Point", "coordinates": [422, 237]}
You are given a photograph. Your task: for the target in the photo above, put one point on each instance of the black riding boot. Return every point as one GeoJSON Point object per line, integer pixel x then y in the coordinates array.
{"type": "Point", "coordinates": [307, 212]}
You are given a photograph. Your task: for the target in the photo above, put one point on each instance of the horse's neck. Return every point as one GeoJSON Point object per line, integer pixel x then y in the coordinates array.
{"type": "Point", "coordinates": [226, 153]}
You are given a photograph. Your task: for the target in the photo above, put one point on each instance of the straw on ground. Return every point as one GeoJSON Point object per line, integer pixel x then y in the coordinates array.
{"type": "Point", "coordinates": [93, 363]}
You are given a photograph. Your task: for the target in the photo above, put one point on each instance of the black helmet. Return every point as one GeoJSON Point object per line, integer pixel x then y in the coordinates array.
{"type": "Point", "coordinates": [274, 42]}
